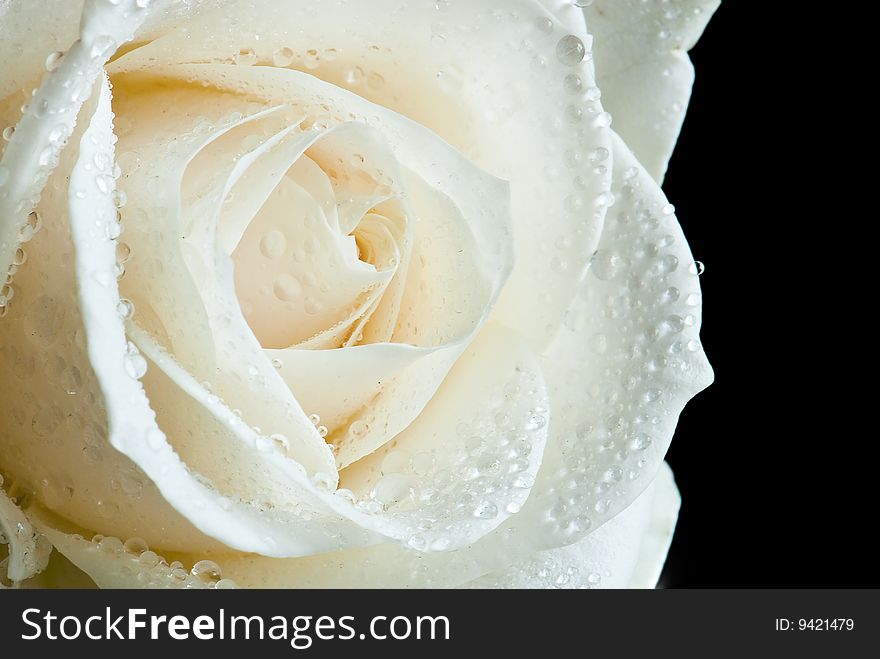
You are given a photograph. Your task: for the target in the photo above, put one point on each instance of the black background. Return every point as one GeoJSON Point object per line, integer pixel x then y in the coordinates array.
{"type": "Point", "coordinates": [772, 463]}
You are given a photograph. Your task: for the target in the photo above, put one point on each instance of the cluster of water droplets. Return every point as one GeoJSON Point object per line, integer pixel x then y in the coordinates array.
{"type": "Point", "coordinates": [133, 563]}
{"type": "Point", "coordinates": [463, 487]}
{"type": "Point", "coordinates": [639, 317]}
{"type": "Point", "coordinates": [544, 571]}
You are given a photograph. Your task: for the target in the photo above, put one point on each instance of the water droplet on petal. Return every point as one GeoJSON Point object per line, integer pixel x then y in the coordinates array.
{"type": "Point", "coordinates": [697, 268]}
{"type": "Point", "coordinates": [273, 244]}
{"type": "Point", "coordinates": [283, 57]}
{"type": "Point", "coordinates": [570, 50]}
{"type": "Point", "coordinates": [53, 60]}
{"type": "Point", "coordinates": [486, 510]}
{"type": "Point", "coordinates": [207, 571]}
{"type": "Point", "coordinates": [136, 546]}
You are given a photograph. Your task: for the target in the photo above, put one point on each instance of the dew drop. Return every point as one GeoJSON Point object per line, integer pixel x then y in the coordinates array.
{"type": "Point", "coordinates": [109, 544]}
{"type": "Point", "coordinates": [599, 154]}
{"type": "Point", "coordinates": [606, 264]}
{"type": "Point", "coordinates": [245, 57]}
{"type": "Point", "coordinates": [207, 571]}
{"type": "Point", "coordinates": [135, 366]}
{"type": "Point", "coordinates": [640, 442]}
{"type": "Point", "coordinates": [573, 83]}
{"type": "Point", "coordinates": [283, 57]}
{"type": "Point", "coordinates": [287, 288]}
{"type": "Point", "coordinates": [8, 132]}
{"type": "Point", "coordinates": [535, 421]}
{"type": "Point", "coordinates": [273, 245]}
{"type": "Point", "coordinates": [603, 119]}
{"type": "Point", "coordinates": [323, 481]}
{"type": "Point", "coordinates": [544, 24]}
{"type": "Point", "coordinates": [312, 60]}
{"type": "Point", "coordinates": [697, 268]}
{"type": "Point", "coordinates": [125, 308]}
{"type": "Point", "coordinates": [570, 50]}
{"type": "Point", "coordinates": [392, 489]}
{"type": "Point", "coordinates": [54, 60]}
{"type": "Point", "coordinates": [486, 510]}
{"type": "Point", "coordinates": [136, 546]}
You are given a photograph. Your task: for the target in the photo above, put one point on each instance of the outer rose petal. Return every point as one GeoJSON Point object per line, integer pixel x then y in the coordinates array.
{"type": "Point", "coordinates": [627, 552]}
{"type": "Point", "coordinates": [626, 362]}
{"type": "Point", "coordinates": [55, 440]}
{"type": "Point", "coordinates": [49, 117]}
{"type": "Point", "coordinates": [183, 297]}
{"type": "Point", "coordinates": [643, 69]}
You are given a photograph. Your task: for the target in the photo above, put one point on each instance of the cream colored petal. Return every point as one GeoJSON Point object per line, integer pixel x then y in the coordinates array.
{"type": "Point", "coordinates": [627, 552]}
{"type": "Point", "coordinates": [644, 71]}
{"type": "Point", "coordinates": [288, 255]}
{"type": "Point", "coordinates": [183, 289]}
{"type": "Point", "coordinates": [29, 31]}
{"type": "Point", "coordinates": [118, 367]}
{"type": "Point", "coordinates": [497, 91]}
{"type": "Point", "coordinates": [48, 120]}
{"type": "Point", "coordinates": [55, 440]}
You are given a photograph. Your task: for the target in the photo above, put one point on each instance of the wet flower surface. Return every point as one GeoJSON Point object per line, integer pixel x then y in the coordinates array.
{"type": "Point", "coordinates": [343, 294]}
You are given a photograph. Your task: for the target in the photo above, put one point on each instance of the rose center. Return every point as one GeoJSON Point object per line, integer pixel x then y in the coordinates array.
{"type": "Point", "coordinates": [313, 264]}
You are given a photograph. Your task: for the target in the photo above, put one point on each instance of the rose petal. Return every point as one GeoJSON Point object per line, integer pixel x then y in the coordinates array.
{"type": "Point", "coordinates": [28, 550]}
{"type": "Point", "coordinates": [48, 120]}
{"type": "Point", "coordinates": [626, 362]}
{"type": "Point", "coordinates": [133, 430]}
{"type": "Point", "coordinates": [55, 440]}
{"type": "Point", "coordinates": [188, 294]}
{"type": "Point", "coordinates": [28, 33]}
{"type": "Point", "coordinates": [289, 254]}
{"type": "Point", "coordinates": [627, 552]}
{"type": "Point", "coordinates": [644, 71]}
{"type": "Point", "coordinates": [474, 87]}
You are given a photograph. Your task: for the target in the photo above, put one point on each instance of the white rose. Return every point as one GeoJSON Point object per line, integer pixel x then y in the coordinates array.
{"type": "Point", "coordinates": [394, 304]}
